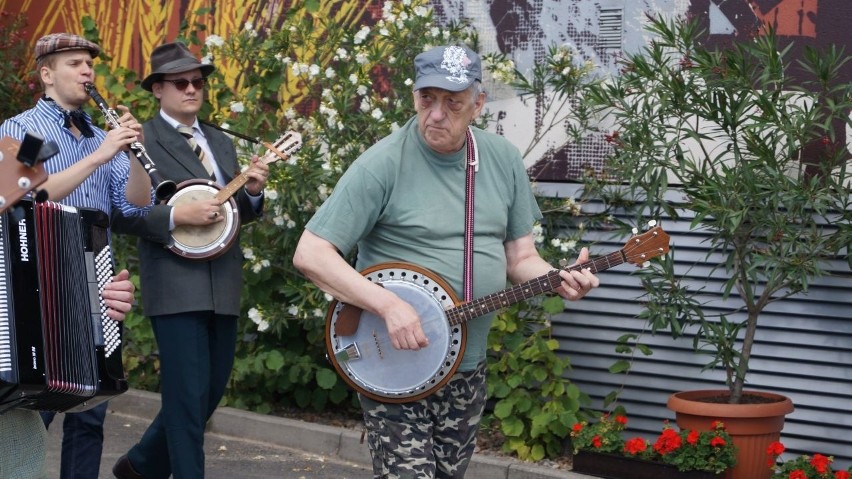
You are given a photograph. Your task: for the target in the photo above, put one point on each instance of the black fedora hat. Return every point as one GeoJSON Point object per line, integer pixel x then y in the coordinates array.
{"type": "Point", "coordinates": [173, 58]}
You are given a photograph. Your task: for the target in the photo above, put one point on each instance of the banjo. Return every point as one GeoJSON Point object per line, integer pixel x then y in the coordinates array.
{"type": "Point", "coordinates": [359, 347]}
{"type": "Point", "coordinates": [205, 242]}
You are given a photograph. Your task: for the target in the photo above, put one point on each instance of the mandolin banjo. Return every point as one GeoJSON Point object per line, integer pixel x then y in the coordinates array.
{"type": "Point", "coordinates": [205, 242]}
{"type": "Point", "coordinates": [359, 347]}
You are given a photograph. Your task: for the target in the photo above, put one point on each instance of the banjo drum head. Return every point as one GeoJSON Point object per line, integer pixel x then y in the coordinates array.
{"type": "Point", "coordinates": [204, 241]}
{"type": "Point", "coordinates": [387, 374]}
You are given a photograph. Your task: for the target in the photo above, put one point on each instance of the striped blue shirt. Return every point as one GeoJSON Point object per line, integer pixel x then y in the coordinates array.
{"type": "Point", "coordinates": [48, 121]}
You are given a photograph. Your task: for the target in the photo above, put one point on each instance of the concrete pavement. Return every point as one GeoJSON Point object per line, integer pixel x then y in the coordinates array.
{"type": "Point", "coordinates": [245, 445]}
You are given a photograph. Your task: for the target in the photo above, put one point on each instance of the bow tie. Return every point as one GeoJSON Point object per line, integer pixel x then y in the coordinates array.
{"type": "Point", "coordinates": [76, 118]}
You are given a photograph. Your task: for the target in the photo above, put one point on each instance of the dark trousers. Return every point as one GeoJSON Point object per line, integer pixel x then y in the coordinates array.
{"type": "Point", "coordinates": [196, 356]}
{"type": "Point", "coordinates": [82, 442]}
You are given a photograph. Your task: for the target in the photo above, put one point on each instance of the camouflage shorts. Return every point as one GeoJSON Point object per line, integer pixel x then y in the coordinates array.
{"type": "Point", "coordinates": [430, 438]}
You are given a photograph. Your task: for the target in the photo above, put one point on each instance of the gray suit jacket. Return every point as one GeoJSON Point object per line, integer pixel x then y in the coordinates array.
{"type": "Point", "coordinates": [172, 284]}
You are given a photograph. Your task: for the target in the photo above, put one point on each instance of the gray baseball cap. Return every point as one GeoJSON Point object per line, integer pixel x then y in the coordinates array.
{"type": "Point", "coordinates": [452, 68]}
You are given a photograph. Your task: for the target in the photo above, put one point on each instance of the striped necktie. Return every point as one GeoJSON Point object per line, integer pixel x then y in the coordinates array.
{"type": "Point", "coordinates": [186, 131]}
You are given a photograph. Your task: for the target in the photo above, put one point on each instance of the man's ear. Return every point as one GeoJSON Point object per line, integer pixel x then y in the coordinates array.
{"type": "Point", "coordinates": [46, 75]}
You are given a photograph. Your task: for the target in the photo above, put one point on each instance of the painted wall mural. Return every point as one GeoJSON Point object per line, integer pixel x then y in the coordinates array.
{"type": "Point", "coordinates": [597, 30]}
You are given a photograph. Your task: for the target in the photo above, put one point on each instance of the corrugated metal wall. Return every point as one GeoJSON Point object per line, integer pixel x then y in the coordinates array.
{"type": "Point", "coordinates": [803, 348]}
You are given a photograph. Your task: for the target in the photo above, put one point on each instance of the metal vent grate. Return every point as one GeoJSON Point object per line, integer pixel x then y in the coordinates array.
{"type": "Point", "coordinates": [610, 28]}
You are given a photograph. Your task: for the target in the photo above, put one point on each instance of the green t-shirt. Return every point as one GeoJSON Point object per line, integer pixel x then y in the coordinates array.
{"type": "Point", "coordinates": [402, 201]}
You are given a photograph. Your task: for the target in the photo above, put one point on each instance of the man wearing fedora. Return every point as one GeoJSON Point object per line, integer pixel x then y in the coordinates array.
{"type": "Point", "coordinates": [193, 304]}
{"type": "Point", "coordinates": [91, 170]}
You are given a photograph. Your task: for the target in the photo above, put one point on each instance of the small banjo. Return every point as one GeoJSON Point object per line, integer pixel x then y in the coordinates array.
{"type": "Point", "coordinates": [205, 242]}
{"type": "Point", "coordinates": [359, 347]}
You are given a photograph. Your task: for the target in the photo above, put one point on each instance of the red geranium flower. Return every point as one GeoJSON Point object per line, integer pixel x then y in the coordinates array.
{"type": "Point", "coordinates": [693, 437]}
{"type": "Point", "coordinates": [635, 446]}
{"type": "Point", "coordinates": [820, 463]}
{"type": "Point", "coordinates": [775, 449]}
{"type": "Point", "coordinates": [841, 475]}
{"type": "Point", "coordinates": [717, 442]}
{"type": "Point", "coordinates": [798, 474]}
{"type": "Point", "coordinates": [668, 441]}
{"type": "Point", "coordinates": [596, 442]}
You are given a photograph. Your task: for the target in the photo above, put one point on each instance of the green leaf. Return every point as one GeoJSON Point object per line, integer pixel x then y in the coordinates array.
{"type": "Point", "coordinates": [326, 378]}
{"type": "Point", "coordinates": [619, 366]}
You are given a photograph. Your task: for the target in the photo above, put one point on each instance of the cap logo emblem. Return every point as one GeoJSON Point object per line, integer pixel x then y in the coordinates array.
{"type": "Point", "coordinates": [455, 62]}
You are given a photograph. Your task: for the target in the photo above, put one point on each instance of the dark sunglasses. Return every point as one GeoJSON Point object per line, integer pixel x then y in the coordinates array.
{"type": "Point", "coordinates": [182, 83]}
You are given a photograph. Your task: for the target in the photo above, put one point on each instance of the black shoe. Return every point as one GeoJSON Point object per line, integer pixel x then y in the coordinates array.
{"type": "Point", "coordinates": [124, 470]}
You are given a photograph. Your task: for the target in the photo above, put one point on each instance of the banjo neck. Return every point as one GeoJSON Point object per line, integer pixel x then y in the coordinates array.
{"type": "Point", "coordinates": [542, 284]}
{"type": "Point", "coordinates": [638, 250]}
{"type": "Point", "coordinates": [279, 150]}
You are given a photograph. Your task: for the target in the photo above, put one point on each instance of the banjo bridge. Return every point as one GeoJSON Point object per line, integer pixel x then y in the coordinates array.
{"type": "Point", "coordinates": [348, 353]}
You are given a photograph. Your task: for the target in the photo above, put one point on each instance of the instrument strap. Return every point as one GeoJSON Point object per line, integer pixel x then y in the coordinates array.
{"type": "Point", "coordinates": [472, 168]}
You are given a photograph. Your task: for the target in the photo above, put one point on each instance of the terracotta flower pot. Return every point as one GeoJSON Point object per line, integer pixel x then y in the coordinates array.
{"type": "Point", "coordinates": [751, 426]}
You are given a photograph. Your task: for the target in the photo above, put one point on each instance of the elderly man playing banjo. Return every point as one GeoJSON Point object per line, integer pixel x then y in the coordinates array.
{"type": "Point", "coordinates": [449, 208]}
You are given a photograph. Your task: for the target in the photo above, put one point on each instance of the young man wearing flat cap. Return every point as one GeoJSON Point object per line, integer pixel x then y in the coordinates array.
{"type": "Point", "coordinates": [91, 170]}
{"type": "Point", "coordinates": [193, 304]}
{"type": "Point", "coordinates": [404, 200]}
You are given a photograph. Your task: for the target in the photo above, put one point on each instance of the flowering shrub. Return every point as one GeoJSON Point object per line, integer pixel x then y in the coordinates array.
{"type": "Point", "coordinates": [17, 87]}
{"type": "Point", "coordinates": [803, 466]}
{"type": "Point", "coordinates": [688, 450]}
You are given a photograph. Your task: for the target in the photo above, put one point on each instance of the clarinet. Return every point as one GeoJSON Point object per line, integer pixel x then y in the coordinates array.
{"type": "Point", "coordinates": [165, 188]}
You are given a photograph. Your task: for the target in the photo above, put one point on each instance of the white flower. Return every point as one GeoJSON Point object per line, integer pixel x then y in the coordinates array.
{"type": "Point", "coordinates": [421, 11]}
{"type": "Point", "coordinates": [362, 35]}
{"type": "Point", "coordinates": [384, 32]}
{"type": "Point", "coordinates": [538, 233]}
{"type": "Point", "coordinates": [290, 113]}
{"type": "Point", "coordinates": [361, 58]}
{"type": "Point", "coordinates": [353, 79]}
{"type": "Point", "coordinates": [263, 325]}
{"type": "Point", "coordinates": [293, 310]}
{"type": "Point", "coordinates": [323, 191]}
{"type": "Point", "coordinates": [362, 90]}
{"type": "Point", "coordinates": [342, 53]}
{"type": "Point", "coordinates": [207, 59]}
{"type": "Point", "coordinates": [314, 70]}
{"type": "Point", "coordinates": [255, 315]}
{"type": "Point", "coordinates": [377, 114]}
{"type": "Point", "coordinates": [328, 297]}
{"type": "Point", "coordinates": [409, 82]}
{"type": "Point", "coordinates": [248, 253]}
{"type": "Point", "coordinates": [237, 107]}
{"type": "Point", "coordinates": [278, 221]}
{"type": "Point", "coordinates": [319, 313]}
{"type": "Point", "coordinates": [256, 267]}
{"type": "Point", "coordinates": [270, 194]}
{"type": "Point", "coordinates": [330, 73]}
{"type": "Point", "coordinates": [214, 41]}
{"type": "Point", "coordinates": [248, 26]}
{"type": "Point", "coordinates": [555, 242]}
